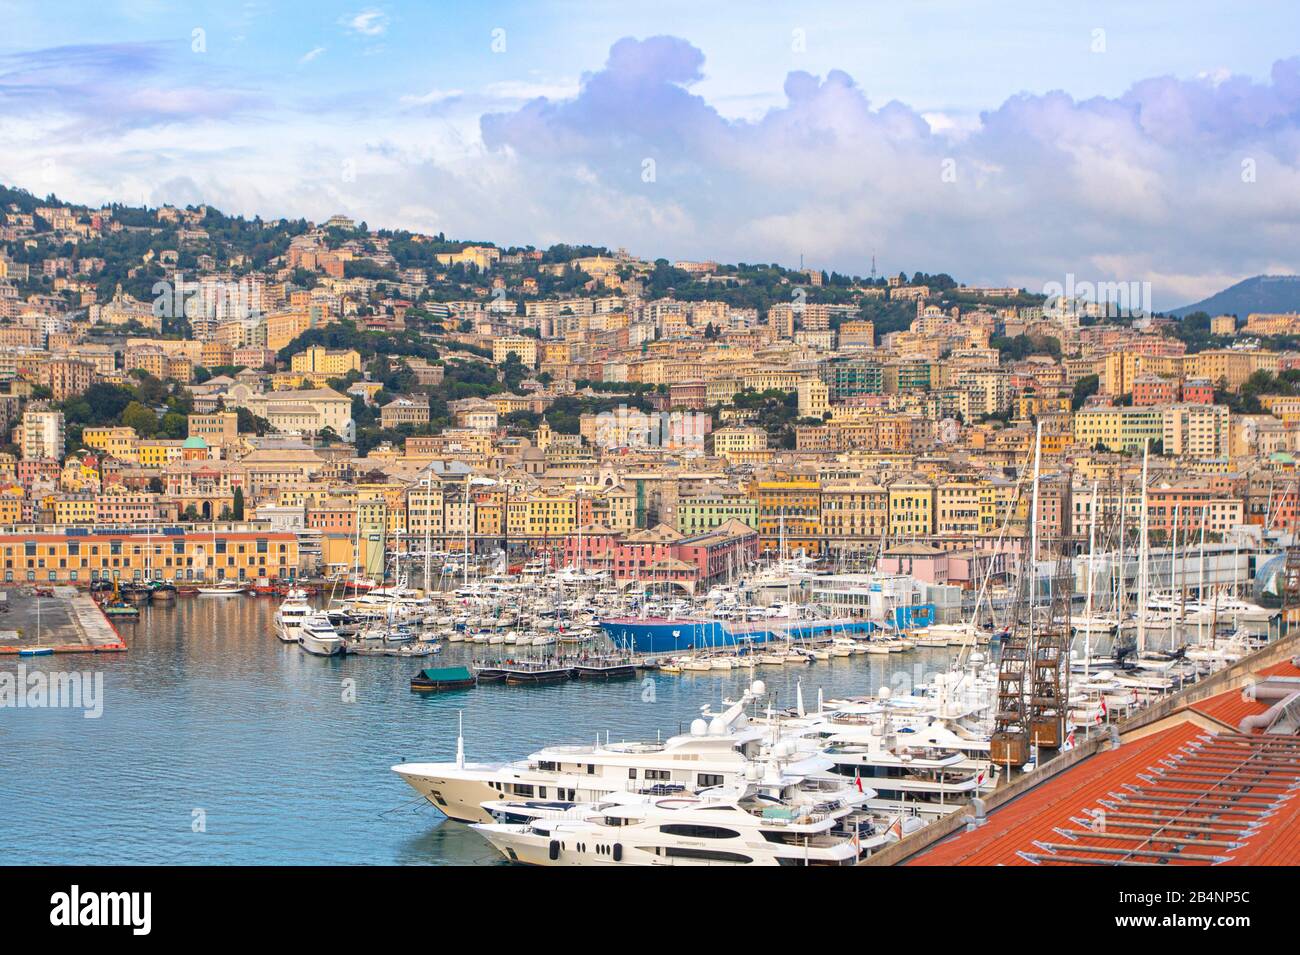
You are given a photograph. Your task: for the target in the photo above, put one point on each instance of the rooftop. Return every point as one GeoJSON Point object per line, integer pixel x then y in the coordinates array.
{"type": "Point", "coordinates": [1196, 787]}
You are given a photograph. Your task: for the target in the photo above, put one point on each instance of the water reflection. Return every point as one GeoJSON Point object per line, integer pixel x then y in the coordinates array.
{"type": "Point", "coordinates": [220, 745]}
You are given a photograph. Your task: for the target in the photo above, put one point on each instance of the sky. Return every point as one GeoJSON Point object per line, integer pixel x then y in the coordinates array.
{"type": "Point", "coordinates": [1006, 143]}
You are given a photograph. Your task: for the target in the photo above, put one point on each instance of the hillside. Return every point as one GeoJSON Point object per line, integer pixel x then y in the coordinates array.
{"type": "Point", "coordinates": [1262, 293]}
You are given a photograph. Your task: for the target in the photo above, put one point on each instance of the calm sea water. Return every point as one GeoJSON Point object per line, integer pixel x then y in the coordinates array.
{"type": "Point", "coordinates": [211, 723]}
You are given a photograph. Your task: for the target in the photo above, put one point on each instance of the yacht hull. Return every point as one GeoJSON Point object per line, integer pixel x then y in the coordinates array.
{"type": "Point", "coordinates": [458, 798]}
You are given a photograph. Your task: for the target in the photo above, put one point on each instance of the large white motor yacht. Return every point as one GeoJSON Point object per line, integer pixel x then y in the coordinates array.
{"type": "Point", "coordinates": [290, 615]}
{"type": "Point", "coordinates": [757, 822]}
{"type": "Point", "coordinates": [317, 636]}
{"type": "Point", "coordinates": [716, 751]}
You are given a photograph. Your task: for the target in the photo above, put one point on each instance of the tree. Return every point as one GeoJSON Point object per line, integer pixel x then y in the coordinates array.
{"type": "Point", "coordinates": [237, 509]}
{"type": "Point", "coordinates": [513, 371]}
{"type": "Point", "coordinates": [1084, 388]}
{"type": "Point", "coordinates": [140, 419]}
{"type": "Point", "coordinates": [250, 423]}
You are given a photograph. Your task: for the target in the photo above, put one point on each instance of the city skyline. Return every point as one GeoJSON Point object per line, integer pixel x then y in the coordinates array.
{"type": "Point", "coordinates": [689, 135]}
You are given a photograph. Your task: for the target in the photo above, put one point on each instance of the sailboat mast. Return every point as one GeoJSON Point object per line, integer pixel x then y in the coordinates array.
{"type": "Point", "coordinates": [1200, 585]}
{"type": "Point", "coordinates": [1144, 544]}
{"type": "Point", "coordinates": [1087, 612]}
{"type": "Point", "coordinates": [428, 534]}
{"type": "Point", "coordinates": [464, 508]}
{"type": "Point", "coordinates": [1033, 532]}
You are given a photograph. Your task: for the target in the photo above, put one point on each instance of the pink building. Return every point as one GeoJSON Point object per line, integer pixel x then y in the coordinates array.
{"type": "Point", "coordinates": [661, 554]}
{"type": "Point", "coordinates": [927, 564]}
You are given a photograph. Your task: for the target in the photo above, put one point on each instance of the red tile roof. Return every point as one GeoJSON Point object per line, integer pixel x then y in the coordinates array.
{"type": "Point", "coordinates": [1177, 796]}
{"type": "Point", "coordinates": [1229, 708]}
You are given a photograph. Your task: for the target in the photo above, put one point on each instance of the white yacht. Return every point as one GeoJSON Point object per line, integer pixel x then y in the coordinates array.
{"type": "Point", "coordinates": [769, 822]}
{"type": "Point", "coordinates": [290, 615]}
{"type": "Point", "coordinates": [715, 752]}
{"type": "Point", "coordinates": [398, 600]}
{"type": "Point", "coordinates": [317, 636]}
{"type": "Point", "coordinates": [907, 772]}
{"type": "Point", "coordinates": [224, 588]}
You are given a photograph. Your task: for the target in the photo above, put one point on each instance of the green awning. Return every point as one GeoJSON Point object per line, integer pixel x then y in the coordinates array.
{"type": "Point", "coordinates": [447, 674]}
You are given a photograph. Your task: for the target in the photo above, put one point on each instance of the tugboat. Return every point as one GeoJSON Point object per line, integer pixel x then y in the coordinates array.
{"type": "Point", "coordinates": [116, 606]}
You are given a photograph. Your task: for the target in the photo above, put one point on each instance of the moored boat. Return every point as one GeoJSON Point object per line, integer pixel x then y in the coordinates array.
{"type": "Point", "coordinates": [317, 636]}
{"type": "Point", "coordinates": [226, 588]}
{"type": "Point", "coordinates": [440, 679]}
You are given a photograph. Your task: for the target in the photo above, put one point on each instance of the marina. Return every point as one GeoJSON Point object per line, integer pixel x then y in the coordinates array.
{"type": "Point", "coordinates": [905, 715]}
{"type": "Point", "coordinates": [219, 715]}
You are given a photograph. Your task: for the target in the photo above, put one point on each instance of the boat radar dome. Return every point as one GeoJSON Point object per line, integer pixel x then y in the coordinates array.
{"type": "Point", "coordinates": [884, 693]}
{"type": "Point", "coordinates": [699, 727]}
{"type": "Point", "coordinates": [718, 726]}
{"type": "Point", "coordinates": [758, 688]}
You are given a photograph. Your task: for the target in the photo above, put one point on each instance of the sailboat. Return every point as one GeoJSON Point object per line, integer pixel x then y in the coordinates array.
{"type": "Point", "coordinates": [224, 588]}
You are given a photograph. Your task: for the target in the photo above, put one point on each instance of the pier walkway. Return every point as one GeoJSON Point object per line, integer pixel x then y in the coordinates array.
{"type": "Point", "coordinates": [68, 622]}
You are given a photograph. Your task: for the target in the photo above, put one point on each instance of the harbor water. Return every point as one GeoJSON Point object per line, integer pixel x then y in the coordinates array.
{"type": "Point", "coordinates": [218, 744]}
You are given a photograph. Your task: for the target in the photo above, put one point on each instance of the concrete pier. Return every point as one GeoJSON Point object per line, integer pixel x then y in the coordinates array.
{"type": "Point", "coordinates": [68, 622]}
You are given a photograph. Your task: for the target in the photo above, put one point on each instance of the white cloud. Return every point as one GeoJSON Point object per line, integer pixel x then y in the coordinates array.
{"type": "Point", "coordinates": [431, 97]}
{"type": "Point", "coordinates": [367, 22]}
{"type": "Point", "coordinates": [526, 90]}
{"type": "Point", "coordinates": [1146, 186]}
{"type": "Point", "coordinates": [311, 55]}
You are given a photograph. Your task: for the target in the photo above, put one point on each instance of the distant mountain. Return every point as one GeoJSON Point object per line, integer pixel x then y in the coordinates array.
{"type": "Point", "coordinates": [1263, 293]}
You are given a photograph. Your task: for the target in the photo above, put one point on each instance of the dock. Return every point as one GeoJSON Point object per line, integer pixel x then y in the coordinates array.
{"type": "Point", "coordinates": [69, 621]}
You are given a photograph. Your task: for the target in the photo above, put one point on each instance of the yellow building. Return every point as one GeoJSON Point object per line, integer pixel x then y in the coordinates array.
{"type": "Point", "coordinates": [957, 507]}
{"type": "Point", "coordinates": [1118, 429]}
{"type": "Point", "coordinates": [158, 453]}
{"type": "Point", "coordinates": [790, 511]}
{"type": "Point", "coordinates": [118, 442]}
{"type": "Point", "coordinates": [521, 345]}
{"type": "Point", "coordinates": [911, 509]}
{"type": "Point", "coordinates": [1003, 506]}
{"type": "Point", "coordinates": [11, 508]}
{"type": "Point", "coordinates": [546, 517]}
{"type": "Point", "coordinates": [814, 398]}
{"type": "Point", "coordinates": [739, 445]}
{"type": "Point", "coordinates": [853, 513]}
{"type": "Point", "coordinates": [1223, 325]}
{"type": "Point", "coordinates": [1230, 365]}
{"type": "Point", "coordinates": [194, 555]}
{"type": "Point", "coordinates": [324, 362]}
{"type": "Point", "coordinates": [74, 509]}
